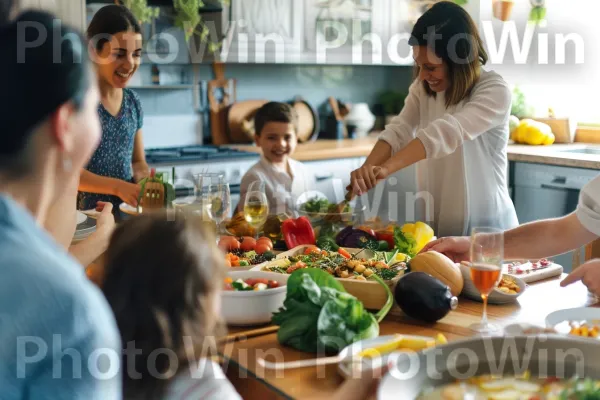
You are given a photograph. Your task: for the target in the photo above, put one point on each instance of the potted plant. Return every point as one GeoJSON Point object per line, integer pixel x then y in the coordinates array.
{"type": "Point", "coordinates": [392, 103]}
{"type": "Point", "coordinates": [141, 10]}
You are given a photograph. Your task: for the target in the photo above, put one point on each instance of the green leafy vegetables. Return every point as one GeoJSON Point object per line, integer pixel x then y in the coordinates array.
{"type": "Point", "coordinates": [317, 205]}
{"type": "Point", "coordinates": [405, 242]}
{"type": "Point", "coordinates": [320, 316]}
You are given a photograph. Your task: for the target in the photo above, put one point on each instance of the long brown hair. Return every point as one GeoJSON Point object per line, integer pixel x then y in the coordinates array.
{"type": "Point", "coordinates": [161, 278]}
{"type": "Point", "coordinates": [457, 42]}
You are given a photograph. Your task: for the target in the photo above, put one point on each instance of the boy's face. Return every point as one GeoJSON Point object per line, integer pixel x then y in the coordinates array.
{"type": "Point", "coordinates": [277, 141]}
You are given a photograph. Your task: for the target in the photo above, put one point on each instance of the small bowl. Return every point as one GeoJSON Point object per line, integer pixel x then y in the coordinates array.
{"type": "Point", "coordinates": [496, 296]}
{"type": "Point", "coordinates": [243, 308]}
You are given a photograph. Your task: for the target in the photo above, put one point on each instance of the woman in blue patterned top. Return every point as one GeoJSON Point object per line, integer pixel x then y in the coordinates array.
{"type": "Point", "coordinates": [119, 163]}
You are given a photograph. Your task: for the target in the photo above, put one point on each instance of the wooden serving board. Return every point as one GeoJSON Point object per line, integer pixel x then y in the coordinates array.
{"type": "Point", "coordinates": [532, 271]}
{"type": "Point", "coordinates": [370, 293]}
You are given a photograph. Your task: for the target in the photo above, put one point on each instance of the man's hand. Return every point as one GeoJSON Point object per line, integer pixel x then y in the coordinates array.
{"type": "Point", "coordinates": [455, 248]}
{"type": "Point", "coordinates": [105, 223]}
{"type": "Point", "coordinates": [588, 273]}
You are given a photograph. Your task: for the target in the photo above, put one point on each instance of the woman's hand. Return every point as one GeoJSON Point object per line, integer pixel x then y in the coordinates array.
{"type": "Point", "coordinates": [366, 177]}
{"type": "Point", "coordinates": [128, 192]}
{"type": "Point", "coordinates": [588, 273]}
{"type": "Point", "coordinates": [455, 248]}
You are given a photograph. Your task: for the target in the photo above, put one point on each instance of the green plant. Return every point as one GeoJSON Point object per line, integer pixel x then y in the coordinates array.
{"type": "Point", "coordinates": [392, 102]}
{"type": "Point", "coordinates": [141, 10]}
{"type": "Point", "coordinates": [188, 18]}
{"type": "Point", "coordinates": [520, 108]}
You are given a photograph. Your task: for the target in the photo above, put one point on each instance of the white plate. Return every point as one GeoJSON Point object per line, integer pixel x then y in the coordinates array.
{"type": "Point", "coordinates": [128, 209]}
{"type": "Point", "coordinates": [496, 297]}
{"type": "Point", "coordinates": [81, 217]}
{"type": "Point", "coordinates": [345, 366]}
{"type": "Point", "coordinates": [559, 319]}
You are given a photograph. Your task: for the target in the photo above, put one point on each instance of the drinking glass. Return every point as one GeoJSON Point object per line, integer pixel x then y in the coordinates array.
{"type": "Point", "coordinates": [256, 206]}
{"type": "Point", "coordinates": [487, 255]}
{"type": "Point", "coordinates": [219, 202]}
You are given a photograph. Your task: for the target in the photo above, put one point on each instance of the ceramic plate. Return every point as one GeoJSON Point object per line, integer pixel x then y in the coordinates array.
{"type": "Point", "coordinates": [345, 366]}
{"type": "Point", "coordinates": [497, 296]}
{"type": "Point", "coordinates": [81, 217]}
{"type": "Point", "coordinates": [560, 320]}
{"type": "Point", "coordinates": [128, 209]}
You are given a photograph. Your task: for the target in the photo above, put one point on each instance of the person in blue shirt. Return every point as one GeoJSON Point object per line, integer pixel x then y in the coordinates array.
{"type": "Point", "coordinates": [119, 163]}
{"type": "Point", "coordinates": [58, 336]}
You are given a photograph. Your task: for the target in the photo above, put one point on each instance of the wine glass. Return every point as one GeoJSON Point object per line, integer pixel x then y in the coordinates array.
{"type": "Point", "coordinates": [219, 202]}
{"type": "Point", "coordinates": [487, 254]}
{"type": "Point", "coordinates": [256, 206]}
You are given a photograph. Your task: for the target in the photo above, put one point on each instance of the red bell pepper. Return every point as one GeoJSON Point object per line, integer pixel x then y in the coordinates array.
{"type": "Point", "coordinates": [297, 232]}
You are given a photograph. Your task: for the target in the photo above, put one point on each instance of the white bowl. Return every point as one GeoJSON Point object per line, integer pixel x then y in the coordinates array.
{"type": "Point", "coordinates": [243, 308]}
{"type": "Point", "coordinates": [497, 296]}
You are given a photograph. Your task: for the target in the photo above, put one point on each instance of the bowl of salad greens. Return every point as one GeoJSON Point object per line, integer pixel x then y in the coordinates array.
{"type": "Point", "coordinates": [319, 209]}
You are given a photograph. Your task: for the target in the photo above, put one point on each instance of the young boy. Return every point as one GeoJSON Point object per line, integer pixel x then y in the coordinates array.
{"type": "Point", "coordinates": [285, 179]}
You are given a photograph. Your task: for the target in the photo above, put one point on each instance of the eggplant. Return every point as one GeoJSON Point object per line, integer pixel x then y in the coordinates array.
{"type": "Point", "coordinates": [423, 297]}
{"type": "Point", "coordinates": [356, 238]}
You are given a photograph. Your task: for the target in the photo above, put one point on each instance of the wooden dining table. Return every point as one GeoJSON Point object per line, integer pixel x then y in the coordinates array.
{"type": "Point", "coordinates": [244, 345]}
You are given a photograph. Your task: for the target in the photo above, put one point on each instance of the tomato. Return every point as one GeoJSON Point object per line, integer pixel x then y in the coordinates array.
{"type": "Point", "coordinates": [254, 281]}
{"type": "Point", "coordinates": [262, 247]}
{"type": "Point", "coordinates": [248, 243]}
{"type": "Point", "coordinates": [273, 284]}
{"type": "Point", "coordinates": [266, 241]}
{"type": "Point", "coordinates": [228, 243]}
{"type": "Point", "coordinates": [388, 237]}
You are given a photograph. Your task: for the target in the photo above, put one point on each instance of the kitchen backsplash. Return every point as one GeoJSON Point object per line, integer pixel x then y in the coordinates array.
{"type": "Point", "coordinates": [170, 114]}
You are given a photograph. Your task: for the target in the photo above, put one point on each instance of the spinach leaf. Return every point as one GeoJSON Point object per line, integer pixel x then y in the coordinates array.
{"type": "Point", "coordinates": [319, 315]}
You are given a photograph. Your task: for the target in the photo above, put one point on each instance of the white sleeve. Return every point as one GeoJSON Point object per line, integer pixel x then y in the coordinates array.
{"type": "Point", "coordinates": [588, 208]}
{"type": "Point", "coordinates": [488, 106]}
{"type": "Point", "coordinates": [401, 129]}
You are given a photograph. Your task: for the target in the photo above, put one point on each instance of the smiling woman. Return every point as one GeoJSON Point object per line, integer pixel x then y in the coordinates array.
{"type": "Point", "coordinates": [119, 163]}
{"type": "Point", "coordinates": [454, 125]}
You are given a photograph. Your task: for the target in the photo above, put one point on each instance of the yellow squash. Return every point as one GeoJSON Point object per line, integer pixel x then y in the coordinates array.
{"type": "Point", "coordinates": [440, 267]}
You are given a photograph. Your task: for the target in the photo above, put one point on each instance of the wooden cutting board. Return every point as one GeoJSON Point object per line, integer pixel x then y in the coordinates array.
{"type": "Point", "coordinates": [221, 94]}
{"type": "Point", "coordinates": [532, 272]}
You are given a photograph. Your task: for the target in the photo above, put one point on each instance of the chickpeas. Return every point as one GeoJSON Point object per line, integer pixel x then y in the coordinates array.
{"type": "Point", "coordinates": [360, 268]}
{"type": "Point", "coordinates": [368, 272]}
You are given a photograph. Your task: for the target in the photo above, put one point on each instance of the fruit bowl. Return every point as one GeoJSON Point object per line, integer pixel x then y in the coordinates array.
{"type": "Point", "coordinates": [253, 307]}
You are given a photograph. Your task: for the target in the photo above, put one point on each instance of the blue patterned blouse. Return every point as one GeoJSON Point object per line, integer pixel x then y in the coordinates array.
{"type": "Point", "coordinates": [113, 157]}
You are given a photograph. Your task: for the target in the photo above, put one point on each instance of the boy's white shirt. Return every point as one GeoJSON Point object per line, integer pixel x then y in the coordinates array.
{"type": "Point", "coordinates": [282, 190]}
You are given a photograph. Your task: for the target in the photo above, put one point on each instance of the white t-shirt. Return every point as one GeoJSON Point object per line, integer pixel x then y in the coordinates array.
{"type": "Point", "coordinates": [205, 381]}
{"type": "Point", "coordinates": [464, 175]}
{"type": "Point", "coordinates": [588, 208]}
{"type": "Point", "coordinates": [282, 190]}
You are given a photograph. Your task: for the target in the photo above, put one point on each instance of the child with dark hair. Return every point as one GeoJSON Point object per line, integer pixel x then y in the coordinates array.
{"type": "Point", "coordinates": [285, 179]}
{"type": "Point", "coordinates": [119, 163]}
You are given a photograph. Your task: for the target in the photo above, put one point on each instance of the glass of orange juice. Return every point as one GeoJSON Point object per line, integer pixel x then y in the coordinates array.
{"type": "Point", "coordinates": [487, 255]}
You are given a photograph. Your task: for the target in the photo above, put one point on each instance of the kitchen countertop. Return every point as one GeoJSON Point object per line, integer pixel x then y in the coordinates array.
{"type": "Point", "coordinates": [346, 148]}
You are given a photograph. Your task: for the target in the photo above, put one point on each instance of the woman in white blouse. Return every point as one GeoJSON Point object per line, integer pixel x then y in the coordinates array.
{"type": "Point", "coordinates": [454, 125]}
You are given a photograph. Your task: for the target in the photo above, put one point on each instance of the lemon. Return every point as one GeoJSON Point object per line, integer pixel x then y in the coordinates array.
{"type": "Point", "coordinates": [440, 339]}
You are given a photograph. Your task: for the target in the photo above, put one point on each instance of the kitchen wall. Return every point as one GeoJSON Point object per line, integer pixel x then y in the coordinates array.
{"type": "Point", "coordinates": [171, 117]}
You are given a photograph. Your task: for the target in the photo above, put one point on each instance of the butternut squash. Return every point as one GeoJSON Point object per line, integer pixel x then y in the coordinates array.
{"type": "Point", "coordinates": [441, 267]}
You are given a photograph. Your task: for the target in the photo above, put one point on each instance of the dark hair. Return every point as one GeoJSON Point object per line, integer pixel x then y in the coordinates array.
{"type": "Point", "coordinates": [6, 8]}
{"type": "Point", "coordinates": [39, 75]}
{"type": "Point", "coordinates": [275, 112]}
{"type": "Point", "coordinates": [456, 42]}
{"type": "Point", "coordinates": [160, 274]}
{"type": "Point", "coordinates": [110, 20]}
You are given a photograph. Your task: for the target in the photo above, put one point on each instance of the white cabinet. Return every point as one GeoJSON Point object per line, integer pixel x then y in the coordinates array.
{"type": "Point", "coordinates": [71, 12]}
{"type": "Point", "coordinates": [333, 176]}
{"type": "Point", "coordinates": [264, 31]}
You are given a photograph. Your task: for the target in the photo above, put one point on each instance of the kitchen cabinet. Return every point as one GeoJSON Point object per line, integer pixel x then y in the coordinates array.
{"type": "Point", "coordinates": [332, 176]}
{"type": "Point", "coordinates": [71, 12]}
{"type": "Point", "coordinates": [262, 31]}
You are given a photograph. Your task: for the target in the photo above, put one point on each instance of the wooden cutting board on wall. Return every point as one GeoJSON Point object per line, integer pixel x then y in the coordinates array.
{"type": "Point", "coordinates": [221, 94]}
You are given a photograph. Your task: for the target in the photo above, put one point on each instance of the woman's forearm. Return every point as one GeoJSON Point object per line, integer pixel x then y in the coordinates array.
{"type": "Point", "coordinates": [92, 183]}
{"type": "Point", "coordinates": [88, 250]}
{"type": "Point", "coordinates": [545, 238]}
{"type": "Point", "coordinates": [381, 152]}
{"type": "Point", "coordinates": [413, 152]}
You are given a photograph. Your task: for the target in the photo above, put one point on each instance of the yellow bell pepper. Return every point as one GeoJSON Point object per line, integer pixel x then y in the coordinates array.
{"type": "Point", "coordinates": [422, 233]}
{"type": "Point", "coordinates": [532, 132]}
